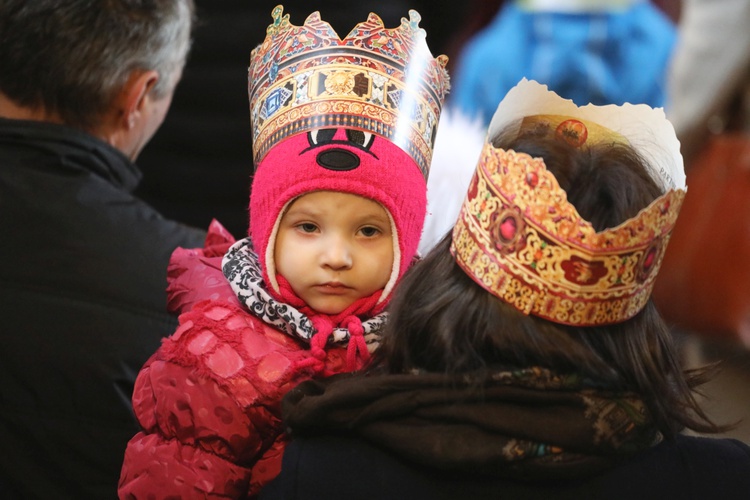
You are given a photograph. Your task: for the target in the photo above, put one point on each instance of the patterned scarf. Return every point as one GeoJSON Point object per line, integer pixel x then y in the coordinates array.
{"type": "Point", "coordinates": [291, 315]}
{"type": "Point", "coordinates": [524, 424]}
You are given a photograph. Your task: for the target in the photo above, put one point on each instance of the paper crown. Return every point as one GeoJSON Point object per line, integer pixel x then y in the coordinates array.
{"type": "Point", "coordinates": [378, 80]}
{"type": "Point", "coordinates": [518, 237]}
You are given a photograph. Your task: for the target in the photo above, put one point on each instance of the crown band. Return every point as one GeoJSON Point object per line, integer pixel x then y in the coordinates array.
{"type": "Point", "coordinates": [518, 238]}
{"type": "Point", "coordinates": [346, 52]}
{"type": "Point", "coordinates": [365, 100]}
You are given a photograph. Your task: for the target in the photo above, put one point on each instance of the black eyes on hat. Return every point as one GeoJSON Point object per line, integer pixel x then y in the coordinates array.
{"type": "Point", "coordinates": [359, 138]}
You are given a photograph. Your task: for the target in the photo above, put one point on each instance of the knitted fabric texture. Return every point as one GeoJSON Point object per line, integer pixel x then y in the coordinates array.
{"type": "Point", "coordinates": [357, 353]}
{"type": "Point", "coordinates": [383, 173]}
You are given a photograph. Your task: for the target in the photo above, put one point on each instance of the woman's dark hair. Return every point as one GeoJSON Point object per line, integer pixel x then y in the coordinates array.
{"type": "Point", "coordinates": [442, 321]}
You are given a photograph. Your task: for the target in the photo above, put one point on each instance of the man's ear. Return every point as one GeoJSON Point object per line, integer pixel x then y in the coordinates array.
{"type": "Point", "coordinates": [136, 95]}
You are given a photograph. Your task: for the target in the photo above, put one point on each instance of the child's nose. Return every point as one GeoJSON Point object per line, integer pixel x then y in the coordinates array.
{"type": "Point", "coordinates": [337, 254]}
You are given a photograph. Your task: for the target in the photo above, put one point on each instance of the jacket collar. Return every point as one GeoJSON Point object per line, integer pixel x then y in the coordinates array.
{"type": "Point", "coordinates": [63, 147]}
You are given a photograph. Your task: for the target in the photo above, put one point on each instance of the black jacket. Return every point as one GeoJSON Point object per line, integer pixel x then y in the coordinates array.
{"type": "Point", "coordinates": [334, 468]}
{"type": "Point", "coordinates": [82, 307]}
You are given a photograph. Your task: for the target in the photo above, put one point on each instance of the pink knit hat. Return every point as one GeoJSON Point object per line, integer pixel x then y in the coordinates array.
{"type": "Point", "coordinates": [357, 115]}
{"type": "Point", "coordinates": [378, 170]}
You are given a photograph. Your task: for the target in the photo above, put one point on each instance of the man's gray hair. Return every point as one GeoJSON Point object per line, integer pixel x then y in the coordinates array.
{"type": "Point", "coordinates": [72, 57]}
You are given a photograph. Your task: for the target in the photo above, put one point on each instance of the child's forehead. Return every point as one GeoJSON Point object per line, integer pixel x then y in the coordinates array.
{"type": "Point", "coordinates": [335, 207]}
{"type": "Point", "coordinates": [326, 198]}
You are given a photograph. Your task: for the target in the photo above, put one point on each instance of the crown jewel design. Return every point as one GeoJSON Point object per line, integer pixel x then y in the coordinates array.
{"type": "Point", "coordinates": [379, 80]}
{"type": "Point", "coordinates": [519, 238]}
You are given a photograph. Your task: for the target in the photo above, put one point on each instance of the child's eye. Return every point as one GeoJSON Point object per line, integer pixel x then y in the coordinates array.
{"type": "Point", "coordinates": [307, 227]}
{"type": "Point", "coordinates": [369, 231]}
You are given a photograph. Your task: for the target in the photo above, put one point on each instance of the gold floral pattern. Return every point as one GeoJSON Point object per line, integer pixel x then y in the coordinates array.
{"type": "Point", "coordinates": [557, 267]}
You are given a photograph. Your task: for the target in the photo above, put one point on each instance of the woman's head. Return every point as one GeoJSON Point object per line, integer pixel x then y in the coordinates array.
{"type": "Point", "coordinates": [466, 328]}
{"type": "Point", "coordinates": [519, 236]}
{"type": "Point", "coordinates": [607, 183]}
{"type": "Point", "coordinates": [458, 314]}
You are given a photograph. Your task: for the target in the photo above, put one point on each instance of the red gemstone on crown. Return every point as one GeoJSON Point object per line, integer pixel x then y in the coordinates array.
{"type": "Point", "coordinates": [508, 229]}
{"type": "Point", "coordinates": [649, 260]}
{"type": "Point", "coordinates": [532, 179]}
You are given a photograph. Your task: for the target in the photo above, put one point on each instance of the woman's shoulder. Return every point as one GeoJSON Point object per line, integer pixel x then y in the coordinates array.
{"type": "Point", "coordinates": [716, 452]}
{"type": "Point", "coordinates": [687, 467]}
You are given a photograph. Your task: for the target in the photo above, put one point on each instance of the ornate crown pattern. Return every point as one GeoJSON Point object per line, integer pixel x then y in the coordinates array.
{"type": "Point", "coordinates": [379, 80]}
{"type": "Point", "coordinates": [520, 239]}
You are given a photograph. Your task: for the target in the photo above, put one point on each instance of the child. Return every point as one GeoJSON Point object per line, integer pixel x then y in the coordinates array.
{"type": "Point", "coordinates": [343, 133]}
{"type": "Point", "coordinates": [523, 357]}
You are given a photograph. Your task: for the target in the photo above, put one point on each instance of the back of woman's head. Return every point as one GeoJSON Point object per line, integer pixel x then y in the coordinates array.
{"type": "Point", "coordinates": [607, 183]}
{"type": "Point", "coordinates": [442, 321]}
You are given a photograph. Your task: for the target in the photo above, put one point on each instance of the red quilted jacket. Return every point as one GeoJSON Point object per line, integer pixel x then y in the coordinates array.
{"type": "Point", "coordinates": [209, 399]}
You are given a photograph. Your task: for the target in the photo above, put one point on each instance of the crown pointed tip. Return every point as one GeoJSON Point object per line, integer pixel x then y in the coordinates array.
{"type": "Point", "coordinates": [375, 19]}
{"type": "Point", "coordinates": [414, 17]}
{"type": "Point", "coordinates": [314, 17]}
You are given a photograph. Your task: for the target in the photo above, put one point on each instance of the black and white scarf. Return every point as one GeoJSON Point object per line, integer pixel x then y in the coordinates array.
{"type": "Point", "coordinates": [242, 269]}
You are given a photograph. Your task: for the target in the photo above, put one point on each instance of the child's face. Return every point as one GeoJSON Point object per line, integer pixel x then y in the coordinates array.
{"type": "Point", "coordinates": [334, 248]}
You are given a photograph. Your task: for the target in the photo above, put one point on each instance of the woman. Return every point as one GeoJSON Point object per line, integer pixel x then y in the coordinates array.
{"type": "Point", "coordinates": [523, 357]}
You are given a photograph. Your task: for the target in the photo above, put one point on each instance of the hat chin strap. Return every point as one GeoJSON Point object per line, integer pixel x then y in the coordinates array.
{"type": "Point", "coordinates": [396, 266]}
{"type": "Point", "coordinates": [269, 263]}
{"type": "Point", "coordinates": [357, 351]}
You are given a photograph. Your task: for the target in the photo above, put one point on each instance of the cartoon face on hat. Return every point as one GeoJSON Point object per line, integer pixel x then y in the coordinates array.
{"type": "Point", "coordinates": [345, 160]}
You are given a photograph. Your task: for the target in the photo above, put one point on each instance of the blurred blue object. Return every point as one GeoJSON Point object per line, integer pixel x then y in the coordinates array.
{"type": "Point", "coordinates": [602, 56]}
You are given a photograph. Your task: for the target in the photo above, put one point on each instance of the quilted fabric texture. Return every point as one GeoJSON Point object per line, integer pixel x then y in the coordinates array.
{"type": "Point", "coordinates": [209, 399]}
{"type": "Point", "coordinates": [208, 402]}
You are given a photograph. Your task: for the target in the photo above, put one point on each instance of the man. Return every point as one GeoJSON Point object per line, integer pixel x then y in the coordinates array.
{"type": "Point", "coordinates": [84, 84]}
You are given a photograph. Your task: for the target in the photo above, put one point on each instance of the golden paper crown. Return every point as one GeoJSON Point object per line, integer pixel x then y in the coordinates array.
{"type": "Point", "coordinates": [519, 238]}
{"type": "Point", "coordinates": [378, 80]}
